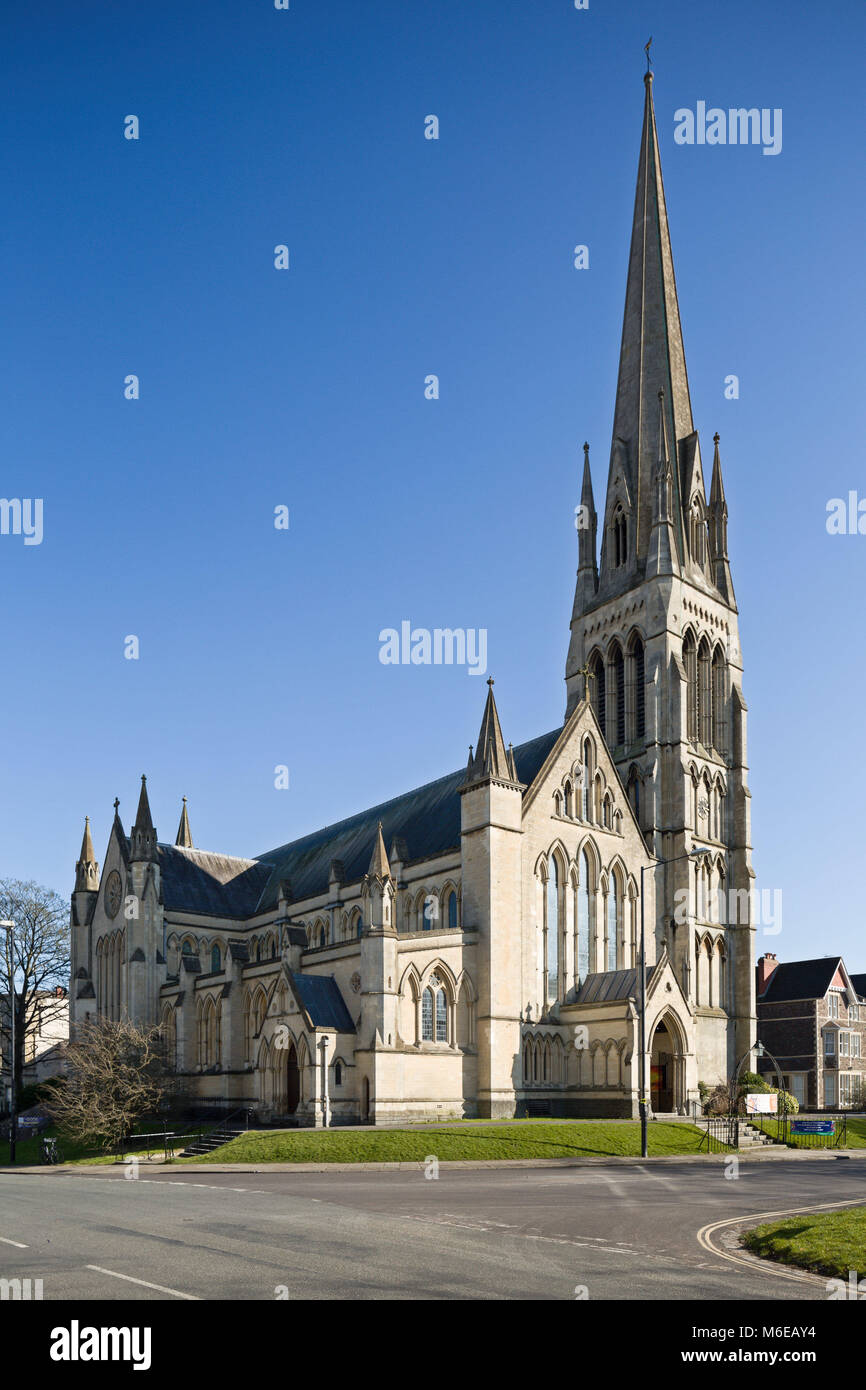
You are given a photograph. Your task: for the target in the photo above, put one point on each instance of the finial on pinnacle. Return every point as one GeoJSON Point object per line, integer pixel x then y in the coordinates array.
{"type": "Point", "coordinates": [116, 804]}
{"type": "Point", "coordinates": [586, 448]}
{"type": "Point", "coordinates": [661, 393]}
{"type": "Point", "coordinates": [490, 681]}
{"type": "Point", "coordinates": [646, 49]}
{"type": "Point", "coordinates": [716, 437]}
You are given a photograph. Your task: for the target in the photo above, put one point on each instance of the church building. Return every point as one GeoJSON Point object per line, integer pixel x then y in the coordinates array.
{"type": "Point", "coordinates": [472, 948]}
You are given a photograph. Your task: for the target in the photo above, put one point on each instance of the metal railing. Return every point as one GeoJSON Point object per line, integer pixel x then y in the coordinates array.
{"type": "Point", "coordinates": [722, 1134]}
{"type": "Point", "coordinates": [168, 1142]}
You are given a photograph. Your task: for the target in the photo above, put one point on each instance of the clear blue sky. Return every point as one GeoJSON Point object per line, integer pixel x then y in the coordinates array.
{"type": "Point", "coordinates": [305, 388]}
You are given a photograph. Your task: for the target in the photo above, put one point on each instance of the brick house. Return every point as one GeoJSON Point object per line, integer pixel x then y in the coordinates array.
{"type": "Point", "coordinates": [812, 1019]}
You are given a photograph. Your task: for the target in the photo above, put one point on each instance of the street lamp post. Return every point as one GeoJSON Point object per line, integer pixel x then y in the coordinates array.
{"type": "Point", "coordinates": [13, 1116]}
{"type": "Point", "coordinates": [642, 1096]}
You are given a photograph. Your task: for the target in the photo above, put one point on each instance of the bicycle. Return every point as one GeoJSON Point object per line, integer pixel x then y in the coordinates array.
{"type": "Point", "coordinates": [50, 1153]}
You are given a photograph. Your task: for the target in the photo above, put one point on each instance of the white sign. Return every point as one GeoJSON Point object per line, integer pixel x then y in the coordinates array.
{"type": "Point", "coordinates": [762, 1103]}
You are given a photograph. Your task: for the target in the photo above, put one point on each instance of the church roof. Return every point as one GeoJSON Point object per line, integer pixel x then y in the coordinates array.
{"type": "Point", "coordinates": [322, 1002]}
{"type": "Point", "coordinates": [609, 985]}
{"type": "Point", "coordinates": [218, 884]}
{"type": "Point", "coordinates": [428, 819]}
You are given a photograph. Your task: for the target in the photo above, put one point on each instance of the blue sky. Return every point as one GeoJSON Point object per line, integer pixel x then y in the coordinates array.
{"type": "Point", "coordinates": [305, 388]}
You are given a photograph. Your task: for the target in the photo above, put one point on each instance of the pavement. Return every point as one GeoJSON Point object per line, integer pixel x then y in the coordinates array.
{"type": "Point", "coordinates": [602, 1229]}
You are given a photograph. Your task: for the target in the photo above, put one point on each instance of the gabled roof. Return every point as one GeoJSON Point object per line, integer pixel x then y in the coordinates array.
{"type": "Point", "coordinates": [217, 884]}
{"type": "Point", "coordinates": [320, 998]}
{"type": "Point", "coordinates": [801, 979]}
{"type": "Point", "coordinates": [428, 819]}
{"type": "Point", "coordinates": [859, 983]}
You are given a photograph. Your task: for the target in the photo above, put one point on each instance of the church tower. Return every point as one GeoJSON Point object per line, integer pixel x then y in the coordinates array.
{"type": "Point", "coordinates": [655, 639]}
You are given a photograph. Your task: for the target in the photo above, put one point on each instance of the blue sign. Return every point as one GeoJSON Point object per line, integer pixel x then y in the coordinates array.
{"type": "Point", "coordinates": [813, 1126]}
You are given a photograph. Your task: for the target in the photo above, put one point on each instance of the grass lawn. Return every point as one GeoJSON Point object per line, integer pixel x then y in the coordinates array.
{"type": "Point", "coordinates": [829, 1243]}
{"type": "Point", "coordinates": [537, 1139]}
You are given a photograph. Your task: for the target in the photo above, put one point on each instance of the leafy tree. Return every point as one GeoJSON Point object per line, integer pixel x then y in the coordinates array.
{"type": "Point", "coordinates": [41, 962]}
{"type": "Point", "coordinates": [116, 1073]}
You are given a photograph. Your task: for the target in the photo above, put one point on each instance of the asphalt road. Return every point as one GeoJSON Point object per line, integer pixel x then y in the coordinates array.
{"type": "Point", "coordinates": [617, 1231]}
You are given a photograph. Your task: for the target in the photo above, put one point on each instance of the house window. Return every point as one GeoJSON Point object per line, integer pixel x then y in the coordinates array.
{"type": "Point", "coordinates": [830, 1088]}
{"type": "Point", "coordinates": [829, 1044]}
{"type": "Point", "coordinates": [853, 1013]}
{"type": "Point", "coordinates": [832, 1006]}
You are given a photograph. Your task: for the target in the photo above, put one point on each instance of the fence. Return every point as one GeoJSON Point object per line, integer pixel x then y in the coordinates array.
{"type": "Point", "coordinates": [805, 1131]}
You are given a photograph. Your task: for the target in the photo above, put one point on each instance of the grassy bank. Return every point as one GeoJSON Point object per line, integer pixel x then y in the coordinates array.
{"type": "Point", "coordinates": [536, 1139]}
{"type": "Point", "coordinates": [831, 1243]}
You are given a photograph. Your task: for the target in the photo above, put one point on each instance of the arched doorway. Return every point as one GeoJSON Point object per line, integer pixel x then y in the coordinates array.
{"type": "Point", "coordinates": [667, 1068]}
{"type": "Point", "coordinates": [293, 1081]}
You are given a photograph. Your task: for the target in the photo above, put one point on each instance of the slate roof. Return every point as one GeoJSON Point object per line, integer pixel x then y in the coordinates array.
{"type": "Point", "coordinates": [609, 985]}
{"type": "Point", "coordinates": [428, 819]}
{"type": "Point", "coordinates": [219, 884]}
{"type": "Point", "coordinates": [801, 979]}
{"type": "Point", "coordinates": [320, 997]}
{"type": "Point", "coordinates": [859, 983]}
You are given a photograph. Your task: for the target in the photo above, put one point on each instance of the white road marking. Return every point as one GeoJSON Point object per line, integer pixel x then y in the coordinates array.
{"type": "Point", "coordinates": [16, 1243]}
{"type": "Point", "coordinates": [754, 1262]}
{"type": "Point", "coordinates": [160, 1288]}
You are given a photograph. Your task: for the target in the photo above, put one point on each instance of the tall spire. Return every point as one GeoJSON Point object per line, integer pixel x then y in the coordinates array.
{"type": "Point", "coordinates": [652, 357]}
{"type": "Point", "coordinates": [491, 757]}
{"type": "Point", "coordinates": [143, 836]}
{"type": "Point", "coordinates": [86, 869]}
{"type": "Point", "coordinates": [184, 834]}
{"type": "Point", "coordinates": [718, 519]}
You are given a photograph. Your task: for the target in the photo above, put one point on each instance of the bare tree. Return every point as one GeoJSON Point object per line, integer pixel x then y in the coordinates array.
{"type": "Point", "coordinates": [116, 1073]}
{"type": "Point", "coordinates": [41, 962]}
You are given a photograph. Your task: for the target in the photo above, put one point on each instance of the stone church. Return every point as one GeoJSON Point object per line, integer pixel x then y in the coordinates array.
{"type": "Point", "coordinates": [471, 948]}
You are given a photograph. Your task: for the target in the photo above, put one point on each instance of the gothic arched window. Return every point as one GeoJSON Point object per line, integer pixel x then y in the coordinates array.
{"type": "Point", "coordinates": [616, 694]}
{"type": "Point", "coordinates": [705, 699]}
{"type": "Point", "coordinates": [452, 909]}
{"type": "Point", "coordinates": [552, 926]}
{"type": "Point", "coordinates": [690, 662]}
{"type": "Point", "coordinates": [215, 959]}
{"type": "Point", "coordinates": [637, 692]}
{"type": "Point", "coordinates": [583, 917]}
{"type": "Point", "coordinates": [614, 920]}
{"type": "Point", "coordinates": [720, 742]}
{"type": "Point", "coordinates": [597, 689]}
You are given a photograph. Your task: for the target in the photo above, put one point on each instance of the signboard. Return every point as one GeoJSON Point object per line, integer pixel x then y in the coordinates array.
{"type": "Point", "coordinates": [762, 1103]}
{"type": "Point", "coordinates": [813, 1126]}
